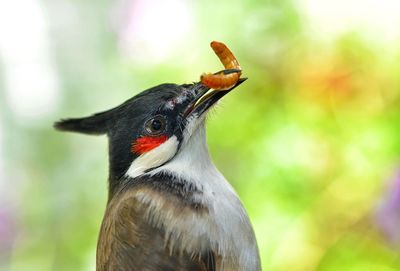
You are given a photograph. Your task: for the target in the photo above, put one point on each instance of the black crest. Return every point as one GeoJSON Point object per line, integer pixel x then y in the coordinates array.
{"type": "Point", "coordinates": [96, 124]}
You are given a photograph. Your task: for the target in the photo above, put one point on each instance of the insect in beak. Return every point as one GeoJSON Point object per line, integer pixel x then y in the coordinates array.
{"type": "Point", "coordinates": [227, 78]}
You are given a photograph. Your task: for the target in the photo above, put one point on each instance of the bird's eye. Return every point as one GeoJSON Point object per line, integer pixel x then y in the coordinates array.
{"type": "Point", "coordinates": [156, 125]}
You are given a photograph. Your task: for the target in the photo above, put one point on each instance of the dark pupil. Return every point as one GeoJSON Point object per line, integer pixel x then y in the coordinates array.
{"type": "Point", "coordinates": [156, 125]}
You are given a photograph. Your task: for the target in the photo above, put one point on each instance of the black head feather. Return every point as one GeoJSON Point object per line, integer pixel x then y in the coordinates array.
{"type": "Point", "coordinates": [96, 124]}
{"type": "Point", "coordinates": [125, 123]}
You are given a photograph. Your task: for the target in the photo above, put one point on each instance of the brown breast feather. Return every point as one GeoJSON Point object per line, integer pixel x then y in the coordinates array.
{"type": "Point", "coordinates": [128, 241]}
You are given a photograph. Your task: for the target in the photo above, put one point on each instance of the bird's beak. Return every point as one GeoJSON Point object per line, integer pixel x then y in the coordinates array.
{"type": "Point", "coordinates": [202, 98]}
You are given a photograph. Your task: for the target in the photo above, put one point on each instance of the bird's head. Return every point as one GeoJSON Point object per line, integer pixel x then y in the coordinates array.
{"type": "Point", "coordinates": [148, 130]}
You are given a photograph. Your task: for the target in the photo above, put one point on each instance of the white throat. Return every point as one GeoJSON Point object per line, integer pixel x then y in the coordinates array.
{"type": "Point", "coordinates": [193, 161]}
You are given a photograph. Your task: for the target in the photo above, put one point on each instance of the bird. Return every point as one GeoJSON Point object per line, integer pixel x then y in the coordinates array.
{"type": "Point", "coordinates": [169, 207]}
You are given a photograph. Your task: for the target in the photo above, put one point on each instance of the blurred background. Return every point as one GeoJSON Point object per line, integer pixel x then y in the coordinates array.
{"type": "Point", "coordinates": [311, 141]}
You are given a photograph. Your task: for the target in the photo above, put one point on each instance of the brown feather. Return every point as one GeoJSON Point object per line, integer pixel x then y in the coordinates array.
{"type": "Point", "coordinates": [128, 241]}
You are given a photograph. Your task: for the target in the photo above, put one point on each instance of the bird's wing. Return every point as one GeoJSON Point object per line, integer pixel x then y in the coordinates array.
{"type": "Point", "coordinates": [129, 242]}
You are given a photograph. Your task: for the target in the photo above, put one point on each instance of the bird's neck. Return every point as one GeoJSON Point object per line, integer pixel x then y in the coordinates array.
{"type": "Point", "coordinates": [193, 162]}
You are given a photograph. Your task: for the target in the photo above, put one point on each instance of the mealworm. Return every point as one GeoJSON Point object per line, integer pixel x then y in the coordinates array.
{"type": "Point", "coordinates": [226, 78]}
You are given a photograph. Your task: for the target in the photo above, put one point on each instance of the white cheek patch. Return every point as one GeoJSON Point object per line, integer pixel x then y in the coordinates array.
{"type": "Point", "coordinates": [154, 158]}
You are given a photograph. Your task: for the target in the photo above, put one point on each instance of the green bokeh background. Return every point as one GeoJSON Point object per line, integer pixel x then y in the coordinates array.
{"type": "Point", "coordinates": [310, 141]}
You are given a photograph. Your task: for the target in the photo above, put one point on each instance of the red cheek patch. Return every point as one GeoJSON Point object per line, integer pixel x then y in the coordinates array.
{"type": "Point", "coordinates": [147, 143]}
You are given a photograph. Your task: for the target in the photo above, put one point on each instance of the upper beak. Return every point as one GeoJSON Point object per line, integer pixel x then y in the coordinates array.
{"type": "Point", "coordinates": [203, 99]}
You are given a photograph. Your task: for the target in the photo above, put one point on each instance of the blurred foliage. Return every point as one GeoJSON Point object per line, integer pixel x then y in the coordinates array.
{"type": "Point", "coordinates": [310, 141]}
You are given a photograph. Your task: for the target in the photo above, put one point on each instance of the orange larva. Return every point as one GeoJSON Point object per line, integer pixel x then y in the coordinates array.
{"type": "Point", "coordinates": [227, 78]}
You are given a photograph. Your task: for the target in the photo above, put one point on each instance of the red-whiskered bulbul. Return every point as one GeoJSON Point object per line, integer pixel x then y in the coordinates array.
{"type": "Point", "coordinates": [169, 208]}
